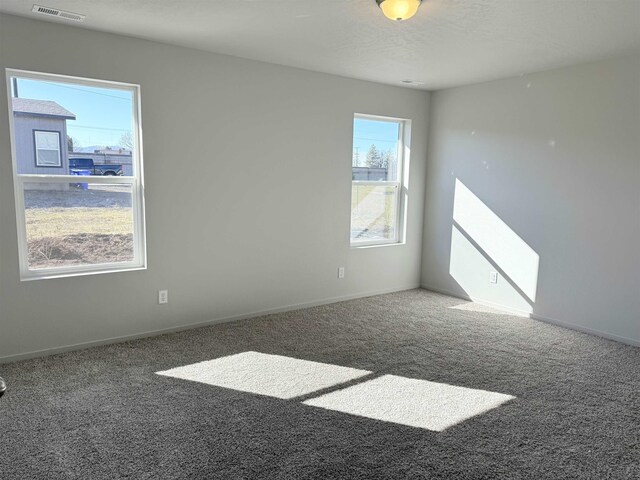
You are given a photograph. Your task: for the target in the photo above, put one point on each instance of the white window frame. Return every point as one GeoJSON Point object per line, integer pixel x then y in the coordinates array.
{"type": "Point", "coordinates": [136, 182]}
{"type": "Point", "coordinates": [401, 183]}
{"type": "Point", "coordinates": [35, 143]}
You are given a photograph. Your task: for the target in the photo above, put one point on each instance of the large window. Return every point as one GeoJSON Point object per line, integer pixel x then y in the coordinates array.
{"type": "Point", "coordinates": [378, 181]}
{"type": "Point", "coordinates": [77, 166]}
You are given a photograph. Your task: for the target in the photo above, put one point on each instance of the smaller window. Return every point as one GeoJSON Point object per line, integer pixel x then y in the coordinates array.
{"type": "Point", "coordinates": [47, 149]}
{"type": "Point", "coordinates": [378, 190]}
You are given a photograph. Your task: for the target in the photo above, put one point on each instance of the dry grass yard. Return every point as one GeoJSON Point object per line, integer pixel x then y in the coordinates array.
{"type": "Point", "coordinates": [79, 226]}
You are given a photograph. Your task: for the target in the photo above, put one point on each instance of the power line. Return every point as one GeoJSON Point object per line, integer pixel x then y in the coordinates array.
{"type": "Point", "coordinates": [375, 139]}
{"type": "Point", "coordinates": [100, 128]}
{"type": "Point", "coordinates": [84, 90]}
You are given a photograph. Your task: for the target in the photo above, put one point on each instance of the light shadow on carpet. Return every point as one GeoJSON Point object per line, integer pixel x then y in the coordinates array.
{"type": "Point", "coordinates": [389, 398]}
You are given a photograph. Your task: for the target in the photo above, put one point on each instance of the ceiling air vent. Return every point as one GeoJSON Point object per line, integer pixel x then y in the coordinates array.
{"type": "Point", "coordinates": [54, 12]}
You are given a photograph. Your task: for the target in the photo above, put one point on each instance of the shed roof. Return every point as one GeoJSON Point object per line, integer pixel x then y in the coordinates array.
{"type": "Point", "coordinates": [40, 107]}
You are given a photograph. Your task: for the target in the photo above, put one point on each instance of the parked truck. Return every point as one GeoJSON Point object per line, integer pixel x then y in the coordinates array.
{"type": "Point", "coordinates": [87, 164]}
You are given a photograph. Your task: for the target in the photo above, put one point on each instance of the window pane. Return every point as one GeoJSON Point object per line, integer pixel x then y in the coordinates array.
{"type": "Point", "coordinates": [78, 224]}
{"type": "Point", "coordinates": [373, 213]}
{"type": "Point", "coordinates": [92, 123]}
{"type": "Point", "coordinates": [48, 140]}
{"type": "Point", "coordinates": [375, 150]}
{"type": "Point", "coordinates": [49, 157]}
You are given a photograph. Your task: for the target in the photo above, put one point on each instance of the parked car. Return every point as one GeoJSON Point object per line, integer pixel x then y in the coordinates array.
{"type": "Point", "coordinates": [77, 164]}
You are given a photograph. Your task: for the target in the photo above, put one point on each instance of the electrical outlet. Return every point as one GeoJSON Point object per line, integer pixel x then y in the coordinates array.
{"type": "Point", "coordinates": [340, 272]}
{"type": "Point", "coordinates": [163, 296]}
{"type": "Point", "coordinates": [493, 277]}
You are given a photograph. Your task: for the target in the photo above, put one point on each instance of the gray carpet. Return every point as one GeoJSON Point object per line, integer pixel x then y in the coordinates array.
{"type": "Point", "coordinates": [570, 407]}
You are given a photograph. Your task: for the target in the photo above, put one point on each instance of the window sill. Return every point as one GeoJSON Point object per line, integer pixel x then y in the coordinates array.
{"type": "Point", "coordinates": [376, 245]}
{"type": "Point", "coordinates": [28, 277]}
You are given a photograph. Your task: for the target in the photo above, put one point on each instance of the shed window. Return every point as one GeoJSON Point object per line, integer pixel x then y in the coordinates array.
{"type": "Point", "coordinates": [47, 149]}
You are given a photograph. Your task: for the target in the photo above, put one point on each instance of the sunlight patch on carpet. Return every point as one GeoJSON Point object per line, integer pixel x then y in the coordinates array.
{"type": "Point", "coordinates": [265, 374]}
{"type": "Point", "coordinates": [412, 402]}
{"type": "Point", "coordinates": [479, 307]}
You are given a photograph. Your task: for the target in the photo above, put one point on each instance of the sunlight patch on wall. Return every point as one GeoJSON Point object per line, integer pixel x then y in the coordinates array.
{"type": "Point", "coordinates": [264, 374]}
{"type": "Point", "coordinates": [407, 401]}
{"type": "Point", "coordinates": [501, 244]}
{"type": "Point", "coordinates": [470, 269]}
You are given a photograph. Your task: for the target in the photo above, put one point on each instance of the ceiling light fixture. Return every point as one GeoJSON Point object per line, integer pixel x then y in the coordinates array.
{"type": "Point", "coordinates": [399, 9]}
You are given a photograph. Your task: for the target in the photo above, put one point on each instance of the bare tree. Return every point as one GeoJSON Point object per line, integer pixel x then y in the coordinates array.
{"type": "Point", "coordinates": [72, 144]}
{"type": "Point", "coordinates": [387, 159]}
{"type": "Point", "coordinates": [126, 140]}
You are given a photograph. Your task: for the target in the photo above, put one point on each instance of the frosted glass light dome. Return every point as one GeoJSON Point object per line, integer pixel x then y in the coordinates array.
{"type": "Point", "coordinates": [399, 9]}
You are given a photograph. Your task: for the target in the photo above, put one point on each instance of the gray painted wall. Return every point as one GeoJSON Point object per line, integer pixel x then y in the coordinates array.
{"type": "Point", "coordinates": [232, 238]}
{"type": "Point", "coordinates": [538, 177]}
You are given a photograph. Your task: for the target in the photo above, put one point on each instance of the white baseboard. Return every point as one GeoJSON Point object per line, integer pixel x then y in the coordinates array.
{"type": "Point", "coordinates": [124, 338]}
{"type": "Point", "coordinates": [590, 331]}
{"type": "Point", "coordinates": [540, 318]}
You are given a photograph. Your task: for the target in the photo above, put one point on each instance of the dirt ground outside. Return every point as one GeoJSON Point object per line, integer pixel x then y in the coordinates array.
{"type": "Point", "coordinates": [79, 226]}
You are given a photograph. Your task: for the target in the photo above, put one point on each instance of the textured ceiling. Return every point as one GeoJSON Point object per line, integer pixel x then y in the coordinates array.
{"type": "Point", "coordinates": [448, 43]}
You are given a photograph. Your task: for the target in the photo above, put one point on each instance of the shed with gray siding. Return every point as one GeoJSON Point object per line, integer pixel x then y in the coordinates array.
{"type": "Point", "coordinates": [41, 125]}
